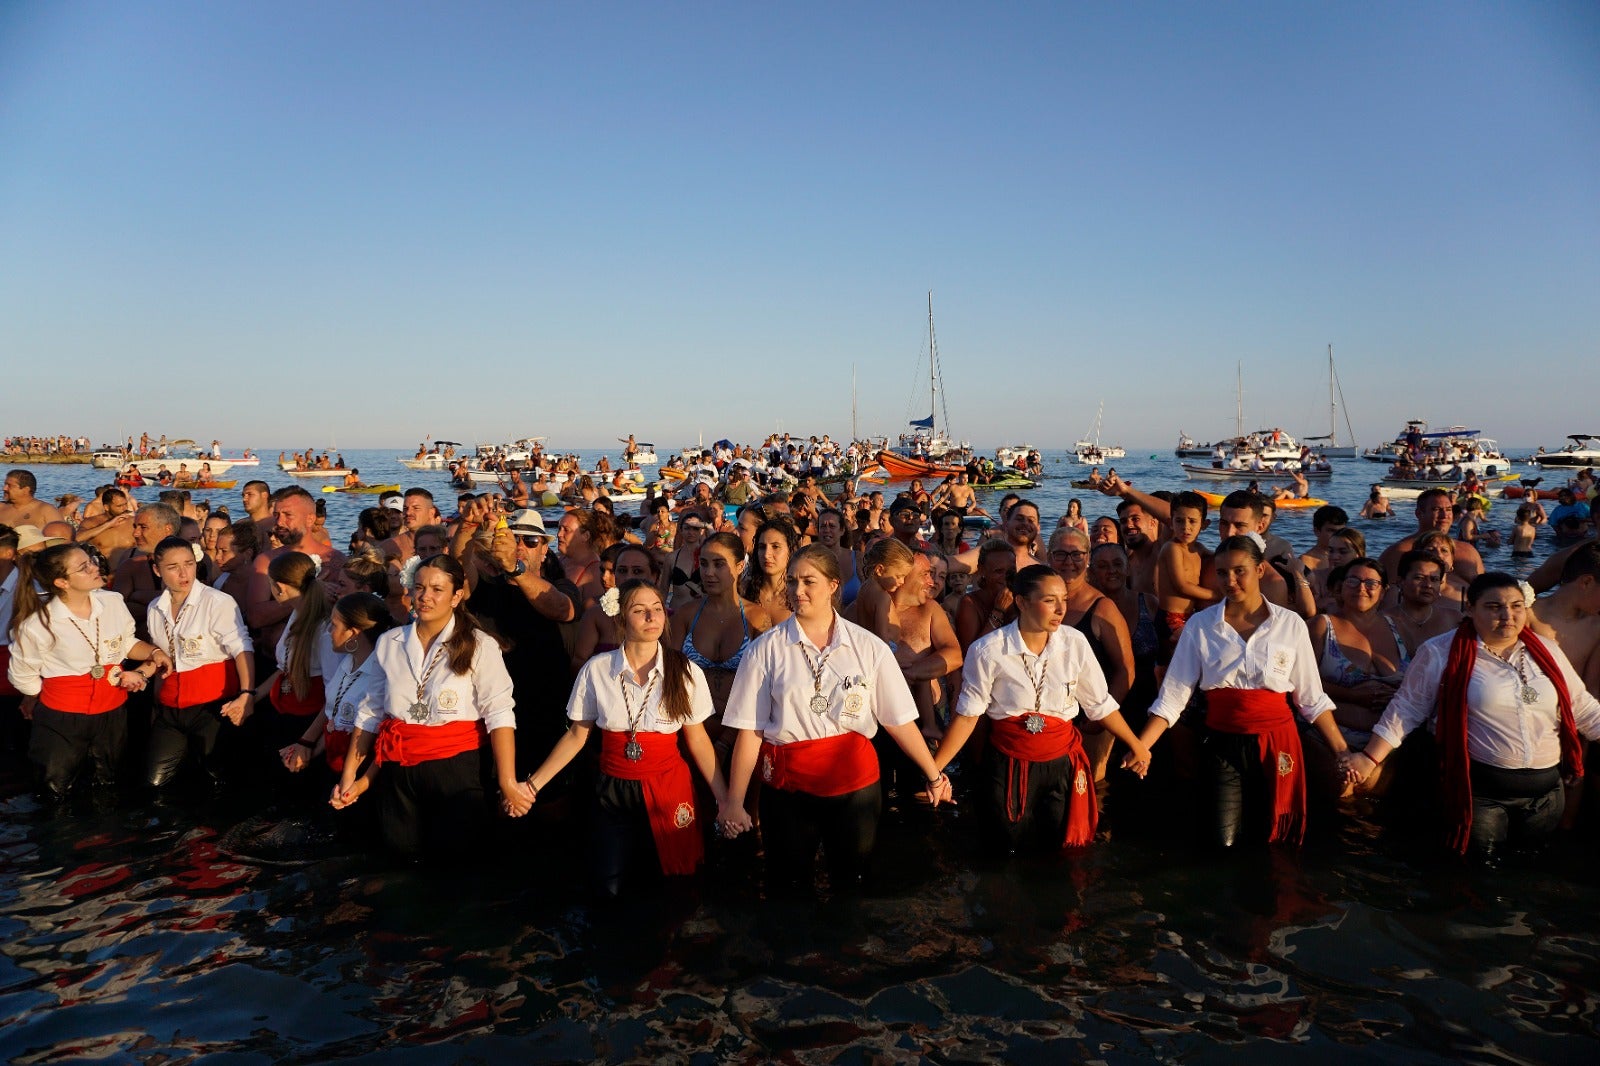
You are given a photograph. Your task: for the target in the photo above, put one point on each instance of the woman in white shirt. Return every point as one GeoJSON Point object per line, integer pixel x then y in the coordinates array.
{"type": "Point", "coordinates": [446, 686]}
{"type": "Point", "coordinates": [641, 697]}
{"type": "Point", "coordinates": [297, 689]}
{"type": "Point", "coordinates": [204, 634]}
{"type": "Point", "coordinates": [357, 684]}
{"type": "Point", "coordinates": [69, 639]}
{"type": "Point", "coordinates": [1253, 660]}
{"type": "Point", "coordinates": [809, 696]}
{"type": "Point", "coordinates": [1031, 678]}
{"type": "Point", "coordinates": [1507, 710]}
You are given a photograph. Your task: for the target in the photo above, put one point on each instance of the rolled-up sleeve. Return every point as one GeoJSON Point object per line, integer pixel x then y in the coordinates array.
{"type": "Point", "coordinates": [1308, 692]}
{"type": "Point", "coordinates": [892, 703]}
{"type": "Point", "coordinates": [1183, 676]}
{"type": "Point", "coordinates": [977, 683]}
{"type": "Point", "coordinates": [750, 701]}
{"type": "Point", "coordinates": [25, 658]}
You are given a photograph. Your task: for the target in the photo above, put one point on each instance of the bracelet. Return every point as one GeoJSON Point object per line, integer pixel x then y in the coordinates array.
{"type": "Point", "coordinates": [532, 787]}
{"type": "Point", "coordinates": [306, 744]}
{"type": "Point", "coordinates": [935, 780]}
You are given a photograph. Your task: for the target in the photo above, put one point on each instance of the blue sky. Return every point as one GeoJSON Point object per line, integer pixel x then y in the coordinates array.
{"type": "Point", "coordinates": [291, 222]}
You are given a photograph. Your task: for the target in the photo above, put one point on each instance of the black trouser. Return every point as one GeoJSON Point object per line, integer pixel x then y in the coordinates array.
{"type": "Point", "coordinates": [13, 727]}
{"type": "Point", "coordinates": [436, 805]}
{"type": "Point", "coordinates": [62, 740]}
{"type": "Point", "coordinates": [622, 839]}
{"type": "Point", "coordinates": [1238, 785]}
{"type": "Point", "coordinates": [177, 731]}
{"type": "Point", "coordinates": [793, 824]}
{"type": "Point", "coordinates": [1525, 804]}
{"type": "Point", "coordinates": [1045, 799]}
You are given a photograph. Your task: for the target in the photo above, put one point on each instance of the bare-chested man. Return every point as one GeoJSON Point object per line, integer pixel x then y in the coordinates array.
{"type": "Point", "coordinates": [1420, 613]}
{"type": "Point", "coordinates": [20, 507]}
{"type": "Point", "coordinates": [990, 604]}
{"type": "Point", "coordinates": [112, 529]}
{"type": "Point", "coordinates": [1572, 613]}
{"type": "Point", "coordinates": [1021, 531]}
{"type": "Point", "coordinates": [924, 643]}
{"type": "Point", "coordinates": [1242, 513]}
{"type": "Point", "coordinates": [1434, 511]}
{"type": "Point", "coordinates": [417, 511]}
{"type": "Point", "coordinates": [958, 496]}
{"type": "Point", "coordinates": [294, 516]}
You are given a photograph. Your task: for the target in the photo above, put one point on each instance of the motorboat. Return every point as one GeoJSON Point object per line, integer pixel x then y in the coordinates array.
{"type": "Point", "coordinates": [1443, 448]}
{"type": "Point", "coordinates": [1584, 450]}
{"type": "Point", "coordinates": [1225, 472]}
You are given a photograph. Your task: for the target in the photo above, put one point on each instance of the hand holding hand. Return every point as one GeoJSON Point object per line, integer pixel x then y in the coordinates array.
{"type": "Point", "coordinates": [516, 798]}
{"type": "Point", "coordinates": [347, 791]}
{"type": "Point", "coordinates": [1137, 760]}
{"type": "Point", "coordinates": [733, 820]}
{"type": "Point", "coordinates": [295, 757]}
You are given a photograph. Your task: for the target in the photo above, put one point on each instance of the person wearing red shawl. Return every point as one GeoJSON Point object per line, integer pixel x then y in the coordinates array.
{"type": "Point", "coordinates": [1254, 662]}
{"type": "Point", "coordinates": [446, 691]}
{"type": "Point", "coordinates": [1031, 679]}
{"type": "Point", "coordinates": [642, 697]}
{"type": "Point", "coordinates": [809, 697]}
{"type": "Point", "coordinates": [1506, 708]}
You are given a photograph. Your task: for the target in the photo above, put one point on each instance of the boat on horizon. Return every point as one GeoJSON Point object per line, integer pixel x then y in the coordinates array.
{"type": "Point", "coordinates": [1197, 472]}
{"type": "Point", "coordinates": [1333, 449]}
{"type": "Point", "coordinates": [1583, 451]}
{"type": "Point", "coordinates": [1090, 452]}
{"type": "Point", "coordinates": [925, 445]}
{"type": "Point", "coordinates": [1420, 446]}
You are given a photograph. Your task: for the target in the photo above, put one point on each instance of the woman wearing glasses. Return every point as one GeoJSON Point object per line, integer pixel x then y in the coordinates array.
{"type": "Point", "coordinates": [682, 569]}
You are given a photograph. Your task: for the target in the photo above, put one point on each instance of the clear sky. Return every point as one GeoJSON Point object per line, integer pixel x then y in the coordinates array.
{"type": "Point", "coordinates": [284, 223]}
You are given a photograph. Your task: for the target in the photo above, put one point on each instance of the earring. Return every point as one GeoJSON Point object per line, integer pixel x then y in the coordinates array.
{"type": "Point", "coordinates": [350, 645]}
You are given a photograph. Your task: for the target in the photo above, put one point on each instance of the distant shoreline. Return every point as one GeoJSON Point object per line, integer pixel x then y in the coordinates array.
{"type": "Point", "coordinates": [74, 459]}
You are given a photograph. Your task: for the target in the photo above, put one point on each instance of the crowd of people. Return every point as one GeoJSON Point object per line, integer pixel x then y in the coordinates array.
{"type": "Point", "coordinates": [783, 664]}
{"type": "Point", "coordinates": [59, 444]}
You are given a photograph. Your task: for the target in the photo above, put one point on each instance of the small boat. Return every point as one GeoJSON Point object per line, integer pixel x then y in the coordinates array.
{"type": "Point", "coordinates": [1006, 481]}
{"type": "Point", "coordinates": [1523, 492]}
{"type": "Point", "coordinates": [1422, 484]}
{"type": "Point", "coordinates": [1008, 454]}
{"type": "Point", "coordinates": [902, 467]}
{"type": "Point", "coordinates": [137, 481]}
{"type": "Point", "coordinates": [108, 459]}
{"type": "Point", "coordinates": [644, 453]}
{"type": "Point", "coordinates": [336, 472]}
{"type": "Point", "coordinates": [1089, 451]}
{"type": "Point", "coordinates": [925, 451]}
{"type": "Point", "coordinates": [1443, 447]}
{"type": "Point", "coordinates": [200, 485]}
{"type": "Point", "coordinates": [1085, 483]}
{"type": "Point", "coordinates": [1583, 451]}
{"type": "Point", "coordinates": [1196, 472]}
{"type": "Point", "coordinates": [1288, 503]}
{"type": "Point", "coordinates": [361, 488]}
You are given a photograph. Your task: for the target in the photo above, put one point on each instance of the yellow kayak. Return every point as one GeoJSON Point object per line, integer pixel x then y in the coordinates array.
{"type": "Point", "coordinates": [1215, 499]}
{"type": "Point", "coordinates": [362, 488]}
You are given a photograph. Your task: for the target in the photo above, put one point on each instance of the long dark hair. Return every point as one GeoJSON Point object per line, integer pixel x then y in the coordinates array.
{"type": "Point", "coordinates": [366, 613]}
{"type": "Point", "coordinates": [35, 571]}
{"type": "Point", "coordinates": [463, 642]}
{"type": "Point", "coordinates": [675, 676]}
{"type": "Point", "coordinates": [300, 572]}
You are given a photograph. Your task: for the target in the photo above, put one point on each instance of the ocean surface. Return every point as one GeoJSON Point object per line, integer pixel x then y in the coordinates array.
{"type": "Point", "coordinates": [244, 930]}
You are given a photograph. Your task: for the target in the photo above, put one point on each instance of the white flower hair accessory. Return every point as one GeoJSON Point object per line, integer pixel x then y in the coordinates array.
{"type": "Point", "coordinates": [316, 563]}
{"type": "Point", "coordinates": [611, 603]}
{"type": "Point", "coordinates": [408, 572]}
{"type": "Point", "coordinates": [1261, 542]}
{"type": "Point", "coordinates": [1528, 595]}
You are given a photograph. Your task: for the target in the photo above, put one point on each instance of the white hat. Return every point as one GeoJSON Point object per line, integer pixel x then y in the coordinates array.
{"type": "Point", "coordinates": [528, 523]}
{"type": "Point", "coordinates": [30, 538]}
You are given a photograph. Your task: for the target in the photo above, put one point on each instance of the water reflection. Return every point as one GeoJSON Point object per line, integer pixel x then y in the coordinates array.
{"type": "Point", "coordinates": [151, 936]}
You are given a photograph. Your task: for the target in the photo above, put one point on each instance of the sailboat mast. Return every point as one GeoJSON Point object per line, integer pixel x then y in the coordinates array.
{"type": "Point", "coordinates": [854, 434]}
{"type": "Point", "coordinates": [1238, 402]}
{"type": "Point", "coordinates": [933, 396]}
{"type": "Point", "coordinates": [1333, 412]}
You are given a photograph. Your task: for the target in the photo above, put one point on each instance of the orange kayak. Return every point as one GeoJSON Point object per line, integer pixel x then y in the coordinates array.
{"type": "Point", "coordinates": [900, 467]}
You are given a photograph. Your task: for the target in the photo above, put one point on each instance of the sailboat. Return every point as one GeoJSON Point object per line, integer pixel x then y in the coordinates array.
{"type": "Point", "coordinates": [925, 451]}
{"type": "Point", "coordinates": [1333, 449]}
{"type": "Point", "coordinates": [1090, 452]}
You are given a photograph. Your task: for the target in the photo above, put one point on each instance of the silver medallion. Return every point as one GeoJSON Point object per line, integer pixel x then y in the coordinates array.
{"type": "Point", "coordinates": [97, 671]}
{"type": "Point", "coordinates": [819, 704]}
{"type": "Point", "coordinates": [633, 750]}
{"type": "Point", "coordinates": [419, 712]}
{"type": "Point", "coordinates": [285, 686]}
{"type": "Point", "coordinates": [1530, 694]}
{"type": "Point", "coordinates": [1033, 723]}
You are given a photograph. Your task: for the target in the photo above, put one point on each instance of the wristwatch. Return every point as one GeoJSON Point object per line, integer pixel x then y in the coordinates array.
{"type": "Point", "coordinates": [520, 569]}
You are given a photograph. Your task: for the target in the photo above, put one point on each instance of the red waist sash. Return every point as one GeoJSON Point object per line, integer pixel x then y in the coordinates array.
{"type": "Point", "coordinates": [82, 694]}
{"type": "Point", "coordinates": [1268, 717]}
{"type": "Point", "coordinates": [668, 794]}
{"type": "Point", "coordinates": [335, 746]}
{"type": "Point", "coordinates": [6, 688]}
{"type": "Point", "coordinates": [827, 766]}
{"type": "Point", "coordinates": [298, 706]}
{"type": "Point", "coordinates": [203, 684]}
{"type": "Point", "coordinates": [409, 744]}
{"type": "Point", "coordinates": [1059, 738]}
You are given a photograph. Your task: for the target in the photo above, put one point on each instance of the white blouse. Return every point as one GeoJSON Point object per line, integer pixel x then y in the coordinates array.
{"type": "Point", "coordinates": [354, 692]}
{"type": "Point", "coordinates": [1000, 673]}
{"type": "Point", "coordinates": [1211, 654]}
{"type": "Point", "coordinates": [209, 628]}
{"type": "Point", "coordinates": [861, 683]}
{"type": "Point", "coordinates": [322, 664]}
{"type": "Point", "coordinates": [8, 603]}
{"type": "Point", "coordinates": [67, 648]}
{"type": "Point", "coordinates": [482, 693]}
{"type": "Point", "coordinates": [597, 695]}
{"type": "Point", "coordinates": [1501, 730]}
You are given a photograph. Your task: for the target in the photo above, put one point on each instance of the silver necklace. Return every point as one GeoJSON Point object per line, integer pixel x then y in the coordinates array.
{"type": "Point", "coordinates": [97, 671]}
{"type": "Point", "coordinates": [419, 710]}
{"type": "Point", "coordinates": [819, 702]}
{"type": "Point", "coordinates": [633, 750]}
{"type": "Point", "coordinates": [1034, 723]}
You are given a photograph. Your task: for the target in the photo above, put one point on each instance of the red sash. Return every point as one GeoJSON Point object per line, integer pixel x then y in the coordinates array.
{"type": "Point", "coordinates": [410, 744]}
{"type": "Point", "coordinates": [335, 745]}
{"type": "Point", "coordinates": [1011, 738]}
{"type": "Point", "coordinates": [668, 794]}
{"type": "Point", "coordinates": [82, 694]}
{"type": "Point", "coordinates": [1267, 715]}
{"type": "Point", "coordinates": [297, 706]}
{"type": "Point", "coordinates": [6, 688]}
{"type": "Point", "coordinates": [1454, 765]}
{"type": "Point", "coordinates": [203, 684]}
{"type": "Point", "coordinates": [827, 766]}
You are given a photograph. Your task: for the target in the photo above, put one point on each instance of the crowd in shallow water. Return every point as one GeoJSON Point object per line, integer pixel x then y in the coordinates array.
{"type": "Point", "coordinates": [774, 666]}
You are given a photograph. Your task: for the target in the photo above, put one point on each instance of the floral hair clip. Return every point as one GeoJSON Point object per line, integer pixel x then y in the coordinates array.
{"type": "Point", "coordinates": [611, 603]}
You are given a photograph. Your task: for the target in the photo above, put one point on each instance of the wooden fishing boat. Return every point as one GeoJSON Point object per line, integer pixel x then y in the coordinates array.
{"type": "Point", "coordinates": [1196, 472]}
{"type": "Point", "coordinates": [903, 467]}
{"type": "Point", "coordinates": [361, 488]}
